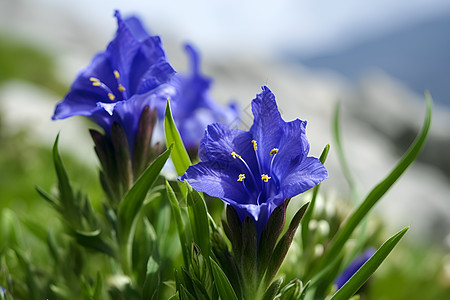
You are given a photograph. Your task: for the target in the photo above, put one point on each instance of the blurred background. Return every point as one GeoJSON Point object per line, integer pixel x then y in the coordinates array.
{"type": "Point", "coordinates": [377, 58]}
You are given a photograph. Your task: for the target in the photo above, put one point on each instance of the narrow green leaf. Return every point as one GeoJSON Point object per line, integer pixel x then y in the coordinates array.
{"type": "Point", "coordinates": [50, 199]}
{"type": "Point", "coordinates": [98, 287]}
{"type": "Point", "coordinates": [269, 237]}
{"type": "Point", "coordinates": [198, 218]}
{"type": "Point", "coordinates": [134, 198]}
{"type": "Point", "coordinates": [122, 153]}
{"type": "Point", "coordinates": [234, 231]}
{"type": "Point", "coordinates": [304, 290]}
{"type": "Point", "coordinates": [249, 254]}
{"type": "Point", "coordinates": [363, 274]}
{"type": "Point", "coordinates": [92, 240]}
{"type": "Point", "coordinates": [180, 157]}
{"type": "Point", "coordinates": [152, 279]}
{"type": "Point", "coordinates": [340, 153]}
{"type": "Point", "coordinates": [222, 283]}
{"type": "Point", "coordinates": [377, 192]}
{"type": "Point", "coordinates": [272, 291]}
{"type": "Point", "coordinates": [283, 245]}
{"type": "Point", "coordinates": [132, 202]}
{"type": "Point", "coordinates": [176, 296]}
{"type": "Point", "coordinates": [65, 189]}
{"type": "Point", "coordinates": [180, 225]}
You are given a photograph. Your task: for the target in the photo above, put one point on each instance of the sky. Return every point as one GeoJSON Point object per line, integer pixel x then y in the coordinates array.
{"type": "Point", "coordinates": [262, 27]}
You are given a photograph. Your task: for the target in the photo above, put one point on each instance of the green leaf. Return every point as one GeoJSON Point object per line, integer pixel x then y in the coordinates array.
{"type": "Point", "coordinates": [363, 274]}
{"type": "Point", "coordinates": [176, 296]}
{"type": "Point", "coordinates": [377, 192]}
{"type": "Point", "coordinates": [283, 245]}
{"type": "Point", "coordinates": [65, 190]}
{"type": "Point", "coordinates": [340, 153]}
{"type": "Point", "coordinates": [198, 218]}
{"type": "Point", "coordinates": [93, 241]}
{"type": "Point", "coordinates": [269, 236]}
{"type": "Point", "coordinates": [66, 205]}
{"type": "Point", "coordinates": [98, 287]}
{"type": "Point", "coordinates": [180, 225]}
{"type": "Point", "coordinates": [222, 283]}
{"type": "Point", "coordinates": [233, 230]}
{"type": "Point", "coordinates": [132, 202]}
{"type": "Point", "coordinates": [273, 289]}
{"type": "Point", "coordinates": [180, 157]}
{"type": "Point", "coordinates": [152, 279]}
{"type": "Point", "coordinates": [249, 254]}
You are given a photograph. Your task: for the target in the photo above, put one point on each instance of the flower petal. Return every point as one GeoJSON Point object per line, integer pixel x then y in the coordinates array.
{"type": "Point", "coordinates": [220, 141]}
{"type": "Point", "coordinates": [217, 180]}
{"type": "Point", "coordinates": [303, 176]}
{"type": "Point", "coordinates": [293, 148]}
{"type": "Point", "coordinates": [267, 124]}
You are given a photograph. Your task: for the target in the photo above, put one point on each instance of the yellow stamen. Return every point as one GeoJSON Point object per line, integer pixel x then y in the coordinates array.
{"type": "Point", "coordinates": [111, 96]}
{"type": "Point", "coordinates": [265, 177]}
{"type": "Point", "coordinates": [120, 88]}
{"type": "Point", "coordinates": [241, 177]}
{"type": "Point", "coordinates": [273, 151]}
{"type": "Point", "coordinates": [93, 79]}
{"type": "Point", "coordinates": [96, 83]}
{"type": "Point", "coordinates": [116, 74]}
{"type": "Point", "coordinates": [255, 145]}
{"type": "Point", "coordinates": [235, 155]}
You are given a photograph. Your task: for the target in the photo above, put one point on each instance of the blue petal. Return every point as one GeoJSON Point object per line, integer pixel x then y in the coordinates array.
{"type": "Point", "coordinates": [127, 113]}
{"type": "Point", "coordinates": [293, 148]}
{"type": "Point", "coordinates": [217, 180]}
{"type": "Point", "coordinates": [220, 141]}
{"type": "Point", "coordinates": [83, 96]}
{"type": "Point", "coordinates": [267, 124]}
{"type": "Point", "coordinates": [303, 176]}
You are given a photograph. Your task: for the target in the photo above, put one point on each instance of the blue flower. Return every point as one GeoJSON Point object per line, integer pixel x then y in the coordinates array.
{"type": "Point", "coordinates": [255, 171]}
{"type": "Point", "coordinates": [193, 107]}
{"type": "Point", "coordinates": [354, 266]}
{"type": "Point", "coordinates": [121, 81]}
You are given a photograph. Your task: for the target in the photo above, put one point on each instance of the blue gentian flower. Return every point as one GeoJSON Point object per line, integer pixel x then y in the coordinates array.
{"type": "Point", "coordinates": [121, 81]}
{"type": "Point", "coordinates": [354, 266]}
{"type": "Point", "coordinates": [2, 290]}
{"type": "Point", "coordinates": [193, 107]}
{"type": "Point", "coordinates": [255, 171]}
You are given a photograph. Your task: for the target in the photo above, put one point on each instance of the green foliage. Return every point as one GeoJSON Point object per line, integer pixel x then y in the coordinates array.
{"type": "Point", "coordinates": [180, 157]}
{"type": "Point", "coordinates": [159, 241]}
{"type": "Point", "coordinates": [362, 275]}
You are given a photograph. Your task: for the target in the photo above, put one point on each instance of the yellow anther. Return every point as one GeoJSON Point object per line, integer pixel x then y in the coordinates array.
{"type": "Point", "coordinates": [93, 79]}
{"type": "Point", "coordinates": [96, 83]}
{"type": "Point", "coordinates": [116, 74]}
{"type": "Point", "coordinates": [235, 155]}
{"type": "Point", "coordinates": [273, 151]}
{"type": "Point", "coordinates": [111, 96]}
{"type": "Point", "coordinates": [120, 88]}
{"type": "Point", "coordinates": [255, 145]}
{"type": "Point", "coordinates": [265, 177]}
{"type": "Point", "coordinates": [241, 177]}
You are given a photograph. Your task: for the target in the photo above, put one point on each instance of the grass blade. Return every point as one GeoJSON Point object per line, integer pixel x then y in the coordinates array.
{"type": "Point", "coordinates": [180, 157]}
{"type": "Point", "coordinates": [363, 274]}
{"type": "Point", "coordinates": [222, 283]}
{"type": "Point", "coordinates": [377, 192]}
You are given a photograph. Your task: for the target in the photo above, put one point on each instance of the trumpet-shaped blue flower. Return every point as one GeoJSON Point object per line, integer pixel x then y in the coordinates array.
{"type": "Point", "coordinates": [255, 171]}
{"type": "Point", "coordinates": [119, 82]}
